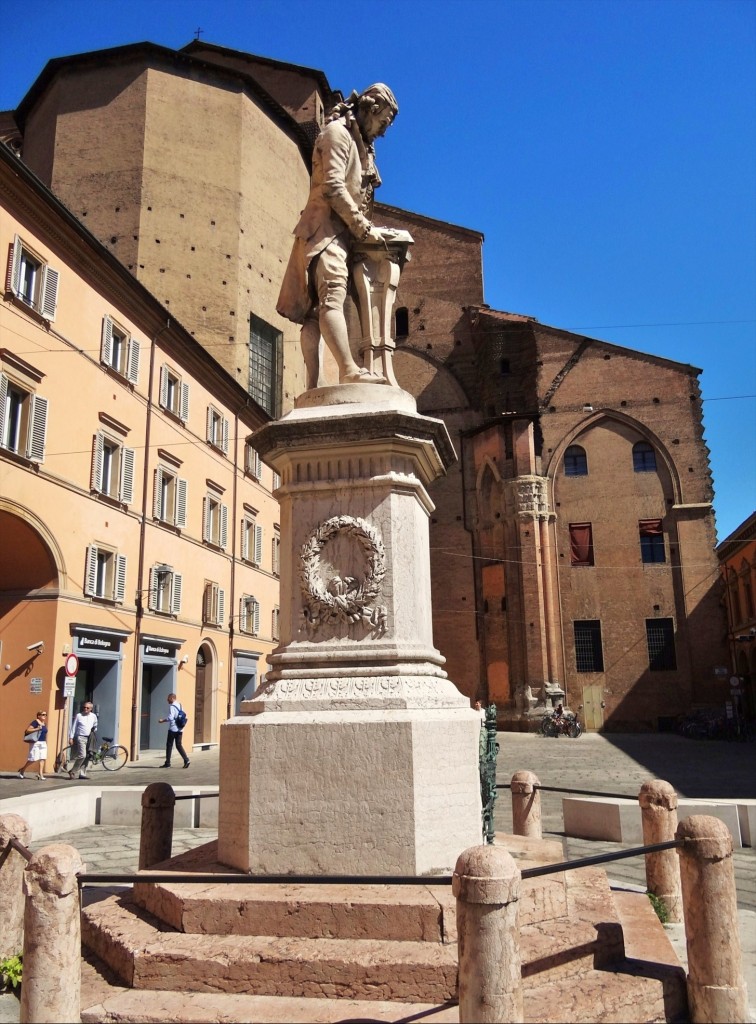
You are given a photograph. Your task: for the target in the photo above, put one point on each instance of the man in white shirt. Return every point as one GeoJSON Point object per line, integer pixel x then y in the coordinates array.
{"type": "Point", "coordinates": [83, 727]}
{"type": "Point", "coordinates": [175, 734]}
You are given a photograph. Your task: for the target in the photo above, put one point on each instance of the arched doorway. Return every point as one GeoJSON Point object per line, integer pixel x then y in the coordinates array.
{"type": "Point", "coordinates": [204, 703]}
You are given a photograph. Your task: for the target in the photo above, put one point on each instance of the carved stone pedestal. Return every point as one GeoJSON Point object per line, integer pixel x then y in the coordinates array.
{"type": "Point", "coordinates": [358, 755]}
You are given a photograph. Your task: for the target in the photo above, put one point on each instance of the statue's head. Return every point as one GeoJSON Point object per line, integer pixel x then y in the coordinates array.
{"type": "Point", "coordinates": [376, 109]}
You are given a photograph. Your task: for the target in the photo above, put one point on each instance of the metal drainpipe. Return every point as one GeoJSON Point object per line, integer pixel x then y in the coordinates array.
{"type": "Point", "coordinates": [232, 602]}
{"type": "Point", "coordinates": [140, 565]}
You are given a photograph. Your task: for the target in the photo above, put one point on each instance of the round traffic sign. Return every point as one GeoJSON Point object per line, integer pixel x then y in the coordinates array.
{"type": "Point", "coordinates": [72, 664]}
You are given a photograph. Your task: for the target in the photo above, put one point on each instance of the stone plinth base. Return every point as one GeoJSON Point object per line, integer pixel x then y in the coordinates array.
{"type": "Point", "coordinates": [349, 792]}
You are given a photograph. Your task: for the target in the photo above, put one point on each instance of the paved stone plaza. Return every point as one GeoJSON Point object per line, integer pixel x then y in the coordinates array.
{"type": "Point", "coordinates": [616, 765]}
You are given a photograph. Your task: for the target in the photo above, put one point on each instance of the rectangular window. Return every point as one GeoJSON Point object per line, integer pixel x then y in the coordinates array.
{"type": "Point", "coordinates": [112, 468]}
{"type": "Point", "coordinates": [276, 553]}
{"type": "Point", "coordinates": [252, 540]}
{"type": "Point", "coordinates": [169, 499]}
{"type": "Point", "coordinates": [275, 629]}
{"type": "Point", "coordinates": [265, 364]}
{"type": "Point", "coordinates": [32, 280]}
{"type": "Point", "coordinates": [119, 351]}
{"type": "Point", "coordinates": [276, 481]}
{"type": "Point", "coordinates": [651, 540]}
{"type": "Point", "coordinates": [581, 544]}
{"type": "Point", "coordinates": [214, 604]}
{"type": "Point", "coordinates": [217, 430]}
{"type": "Point", "coordinates": [589, 656]}
{"type": "Point", "coordinates": [24, 420]}
{"type": "Point", "coordinates": [249, 615]}
{"type": "Point", "coordinates": [253, 463]}
{"type": "Point", "coordinates": [660, 637]}
{"type": "Point", "coordinates": [105, 575]}
{"type": "Point", "coordinates": [165, 590]}
{"type": "Point", "coordinates": [174, 393]}
{"type": "Point", "coordinates": [215, 521]}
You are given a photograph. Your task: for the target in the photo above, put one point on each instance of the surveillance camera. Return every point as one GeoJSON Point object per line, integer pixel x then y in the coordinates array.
{"type": "Point", "coordinates": [38, 646]}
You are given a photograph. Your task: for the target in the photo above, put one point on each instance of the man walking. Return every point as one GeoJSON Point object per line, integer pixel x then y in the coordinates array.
{"type": "Point", "coordinates": [81, 736]}
{"type": "Point", "coordinates": [176, 720]}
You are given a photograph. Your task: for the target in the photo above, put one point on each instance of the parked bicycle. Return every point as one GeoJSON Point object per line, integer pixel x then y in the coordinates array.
{"type": "Point", "coordinates": [561, 723]}
{"type": "Point", "coordinates": [111, 756]}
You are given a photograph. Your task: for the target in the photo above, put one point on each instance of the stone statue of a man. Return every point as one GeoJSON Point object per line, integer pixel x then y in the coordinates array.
{"type": "Point", "coordinates": [338, 211]}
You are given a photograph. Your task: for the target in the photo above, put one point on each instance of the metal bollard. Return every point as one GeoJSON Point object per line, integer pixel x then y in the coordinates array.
{"type": "Point", "coordinates": [51, 989]}
{"type": "Point", "coordinates": [156, 837]}
{"type": "Point", "coordinates": [526, 805]}
{"type": "Point", "coordinates": [658, 802]}
{"type": "Point", "coordinates": [716, 990]}
{"type": "Point", "coordinates": [12, 864]}
{"type": "Point", "coordinates": [487, 884]}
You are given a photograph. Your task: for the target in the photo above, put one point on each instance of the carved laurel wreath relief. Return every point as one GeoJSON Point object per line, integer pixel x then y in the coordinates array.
{"type": "Point", "coordinates": [342, 600]}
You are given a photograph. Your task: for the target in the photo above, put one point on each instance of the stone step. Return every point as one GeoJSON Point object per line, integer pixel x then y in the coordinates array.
{"type": "Point", "coordinates": [146, 954]}
{"type": "Point", "coordinates": [103, 1000]}
{"type": "Point", "coordinates": [383, 912]}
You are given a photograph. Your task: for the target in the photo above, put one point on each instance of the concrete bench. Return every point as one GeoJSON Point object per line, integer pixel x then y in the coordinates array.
{"type": "Point", "coordinates": [619, 821]}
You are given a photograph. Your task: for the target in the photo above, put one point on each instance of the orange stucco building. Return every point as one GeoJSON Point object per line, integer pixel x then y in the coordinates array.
{"type": "Point", "coordinates": [138, 529]}
{"type": "Point", "coordinates": [737, 559]}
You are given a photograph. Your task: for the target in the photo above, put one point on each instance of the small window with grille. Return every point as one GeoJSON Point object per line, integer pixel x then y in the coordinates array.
{"type": "Point", "coordinates": [589, 656]}
{"type": "Point", "coordinates": [660, 637]}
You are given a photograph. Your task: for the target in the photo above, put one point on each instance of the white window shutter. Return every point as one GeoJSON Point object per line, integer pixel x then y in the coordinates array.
{"type": "Point", "coordinates": [38, 429]}
{"type": "Point", "coordinates": [276, 481]}
{"type": "Point", "coordinates": [181, 490]}
{"type": "Point", "coordinates": [245, 538]}
{"type": "Point", "coordinates": [225, 436]}
{"type": "Point", "coordinates": [223, 526]}
{"type": "Point", "coordinates": [14, 266]}
{"type": "Point", "coordinates": [176, 588]}
{"type": "Point", "coordinates": [90, 579]}
{"type": "Point", "coordinates": [120, 579]}
{"type": "Point", "coordinates": [184, 401]}
{"type": "Point", "coordinates": [221, 607]}
{"type": "Point", "coordinates": [49, 299]}
{"type": "Point", "coordinates": [164, 386]}
{"type": "Point", "coordinates": [97, 453]}
{"type": "Point", "coordinates": [157, 503]}
{"type": "Point", "coordinates": [209, 424]}
{"type": "Point", "coordinates": [127, 476]}
{"type": "Point", "coordinates": [152, 594]}
{"type": "Point", "coordinates": [255, 617]}
{"type": "Point", "coordinates": [206, 520]}
{"type": "Point", "coordinates": [132, 370]}
{"type": "Point", "coordinates": [258, 544]}
{"type": "Point", "coordinates": [3, 399]}
{"type": "Point", "coordinates": [106, 347]}
{"type": "Point", "coordinates": [274, 555]}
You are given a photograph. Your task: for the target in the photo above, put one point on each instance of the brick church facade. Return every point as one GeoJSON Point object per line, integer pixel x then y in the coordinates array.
{"type": "Point", "coordinates": [572, 545]}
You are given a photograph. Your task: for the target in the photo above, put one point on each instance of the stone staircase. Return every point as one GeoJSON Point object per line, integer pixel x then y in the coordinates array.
{"type": "Point", "coordinates": [225, 952]}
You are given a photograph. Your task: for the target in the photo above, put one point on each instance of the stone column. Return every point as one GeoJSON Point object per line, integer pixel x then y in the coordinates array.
{"type": "Point", "coordinates": [526, 805]}
{"type": "Point", "coordinates": [12, 864]}
{"type": "Point", "coordinates": [51, 989]}
{"type": "Point", "coordinates": [156, 837]}
{"type": "Point", "coordinates": [658, 802]}
{"type": "Point", "coordinates": [487, 887]}
{"type": "Point", "coordinates": [716, 990]}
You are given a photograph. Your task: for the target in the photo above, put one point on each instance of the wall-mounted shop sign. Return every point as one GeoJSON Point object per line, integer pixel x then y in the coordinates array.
{"type": "Point", "coordinates": [91, 642]}
{"type": "Point", "coordinates": [160, 648]}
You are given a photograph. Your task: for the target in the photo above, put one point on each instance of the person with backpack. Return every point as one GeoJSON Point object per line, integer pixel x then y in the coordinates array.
{"type": "Point", "coordinates": [176, 720]}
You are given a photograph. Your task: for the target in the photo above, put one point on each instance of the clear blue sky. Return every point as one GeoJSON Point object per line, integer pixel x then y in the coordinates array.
{"type": "Point", "coordinates": [606, 149]}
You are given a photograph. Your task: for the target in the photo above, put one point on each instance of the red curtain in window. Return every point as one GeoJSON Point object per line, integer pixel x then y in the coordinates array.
{"type": "Point", "coordinates": [581, 544]}
{"type": "Point", "coordinates": [650, 527]}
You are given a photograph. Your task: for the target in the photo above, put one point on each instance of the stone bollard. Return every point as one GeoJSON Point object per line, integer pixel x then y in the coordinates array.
{"type": "Point", "coordinates": [487, 886]}
{"type": "Point", "coordinates": [658, 801]}
{"type": "Point", "coordinates": [12, 864]}
{"type": "Point", "coordinates": [156, 838]}
{"type": "Point", "coordinates": [526, 805]}
{"type": "Point", "coordinates": [51, 987]}
{"type": "Point", "coordinates": [716, 990]}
